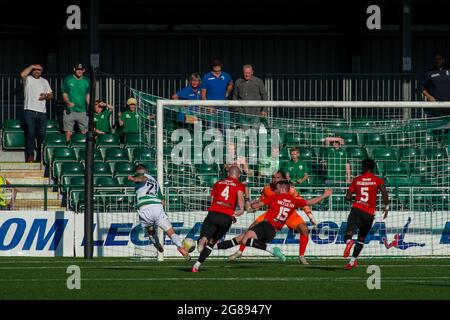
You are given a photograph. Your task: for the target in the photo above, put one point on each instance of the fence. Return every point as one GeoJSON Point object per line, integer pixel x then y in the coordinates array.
{"type": "Point", "coordinates": [297, 87]}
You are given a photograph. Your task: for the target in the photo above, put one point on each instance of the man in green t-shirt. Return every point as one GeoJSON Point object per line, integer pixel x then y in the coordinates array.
{"type": "Point", "coordinates": [295, 170]}
{"type": "Point", "coordinates": [337, 164]}
{"type": "Point", "coordinates": [128, 120]}
{"type": "Point", "coordinates": [101, 117]}
{"type": "Point", "coordinates": [75, 91]}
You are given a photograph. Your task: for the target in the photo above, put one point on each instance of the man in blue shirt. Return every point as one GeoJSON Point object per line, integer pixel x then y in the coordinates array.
{"type": "Point", "coordinates": [191, 92]}
{"type": "Point", "coordinates": [218, 85]}
{"type": "Point", "coordinates": [435, 84]}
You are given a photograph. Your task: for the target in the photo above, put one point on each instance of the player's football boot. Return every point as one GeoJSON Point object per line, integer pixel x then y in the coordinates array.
{"type": "Point", "coordinates": [158, 246]}
{"type": "Point", "coordinates": [277, 253]}
{"type": "Point", "coordinates": [235, 256]}
{"type": "Point", "coordinates": [194, 269]}
{"type": "Point", "coordinates": [184, 252]}
{"type": "Point", "coordinates": [349, 266]}
{"type": "Point", "coordinates": [348, 248]}
{"type": "Point", "coordinates": [302, 260]}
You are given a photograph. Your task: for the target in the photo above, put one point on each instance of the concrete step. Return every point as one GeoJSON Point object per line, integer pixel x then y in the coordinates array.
{"type": "Point", "coordinates": [22, 166]}
{"type": "Point", "coordinates": [23, 174]}
{"type": "Point", "coordinates": [28, 180]}
{"type": "Point", "coordinates": [35, 194]}
{"type": "Point", "coordinates": [12, 156]}
{"type": "Point", "coordinates": [23, 203]}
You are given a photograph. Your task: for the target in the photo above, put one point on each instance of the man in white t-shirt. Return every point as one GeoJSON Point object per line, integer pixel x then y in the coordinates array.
{"type": "Point", "coordinates": [37, 91]}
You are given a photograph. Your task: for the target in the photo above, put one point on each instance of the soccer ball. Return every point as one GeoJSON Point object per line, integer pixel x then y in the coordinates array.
{"type": "Point", "coordinates": [189, 244]}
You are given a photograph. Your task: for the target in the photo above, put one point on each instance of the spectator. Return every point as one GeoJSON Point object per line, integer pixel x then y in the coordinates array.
{"type": "Point", "coordinates": [76, 96]}
{"type": "Point", "coordinates": [101, 117]}
{"type": "Point", "coordinates": [435, 84]}
{"type": "Point", "coordinates": [217, 85]}
{"type": "Point", "coordinates": [337, 164]}
{"type": "Point", "coordinates": [128, 120]}
{"type": "Point", "coordinates": [249, 87]}
{"type": "Point", "coordinates": [295, 170]}
{"type": "Point", "coordinates": [36, 91]}
{"type": "Point", "coordinates": [3, 204]}
{"type": "Point", "coordinates": [191, 92]}
{"type": "Point", "coordinates": [270, 164]}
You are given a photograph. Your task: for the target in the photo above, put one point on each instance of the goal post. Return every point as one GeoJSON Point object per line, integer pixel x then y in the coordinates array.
{"type": "Point", "coordinates": [419, 183]}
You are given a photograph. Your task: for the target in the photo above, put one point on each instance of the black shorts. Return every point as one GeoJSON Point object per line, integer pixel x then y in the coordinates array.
{"type": "Point", "coordinates": [361, 221]}
{"type": "Point", "coordinates": [264, 231]}
{"type": "Point", "coordinates": [216, 225]}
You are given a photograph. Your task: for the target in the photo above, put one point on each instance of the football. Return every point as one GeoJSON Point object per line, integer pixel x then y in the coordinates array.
{"type": "Point", "coordinates": [189, 244]}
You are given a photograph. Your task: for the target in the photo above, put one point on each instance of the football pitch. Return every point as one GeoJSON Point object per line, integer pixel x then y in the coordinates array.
{"type": "Point", "coordinates": [123, 278]}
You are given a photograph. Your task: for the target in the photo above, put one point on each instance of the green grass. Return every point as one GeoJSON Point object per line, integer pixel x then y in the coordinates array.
{"type": "Point", "coordinates": [120, 278]}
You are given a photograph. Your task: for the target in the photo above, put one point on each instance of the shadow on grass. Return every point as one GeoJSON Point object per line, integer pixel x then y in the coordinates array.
{"type": "Point", "coordinates": [324, 268]}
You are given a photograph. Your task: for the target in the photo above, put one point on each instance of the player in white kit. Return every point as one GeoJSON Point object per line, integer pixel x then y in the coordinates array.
{"type": "Point", "coordinates": [151, 211]}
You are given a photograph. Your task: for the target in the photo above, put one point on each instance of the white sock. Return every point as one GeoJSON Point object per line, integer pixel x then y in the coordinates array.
{"type": "Point", "coordinates": [197, 265]}
{"type": "Point", "coordinates": [176, 239]}
{"type": "Point", "coordinates": [269, 248]}
{"type": "Point", "coordinates": [352, 260]}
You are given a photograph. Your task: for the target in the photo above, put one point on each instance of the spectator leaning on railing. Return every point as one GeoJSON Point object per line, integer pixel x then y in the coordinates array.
{"type": "Point", "coordinates": [336, 160]}
{"type": "Point", "coordinates": [435, 84]}
{"type": "Point", "coordinates": [36, 91]}
{"type": "Point", "coordinates": [75, 91]}
{"type": "Point", "coordinates": [249, 87]}
{"type": "Point", "coordinates": [190, 92]}
{"type": "Point", "coordinates": [102, 114]}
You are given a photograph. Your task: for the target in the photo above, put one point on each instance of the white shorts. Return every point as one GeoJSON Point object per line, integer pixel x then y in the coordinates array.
{"type": "Point", "coordinates": [153, 214]}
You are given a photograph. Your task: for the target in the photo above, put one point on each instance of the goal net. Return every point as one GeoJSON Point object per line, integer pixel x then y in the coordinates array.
{"type": "Point", "coordinates": [194, 142]}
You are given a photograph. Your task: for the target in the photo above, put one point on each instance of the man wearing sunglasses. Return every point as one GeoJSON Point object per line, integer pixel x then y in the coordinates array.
{"type": "Point", "coordinates": [36, 91]}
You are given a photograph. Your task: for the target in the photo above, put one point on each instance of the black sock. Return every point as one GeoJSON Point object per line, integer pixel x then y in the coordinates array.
{"type": "Point", "coordinates": [227, 244]}
{"type": "Point", "coordinates": [204, 254]}
{"type": "Point", "coordinates": [357, 250]}
{"type": "Point", "coordinates": [255, 243]}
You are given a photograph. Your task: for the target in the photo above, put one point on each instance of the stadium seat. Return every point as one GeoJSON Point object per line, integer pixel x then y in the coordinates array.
{"type": "Point", "coordinates": [284, 154]}
{"type": "Point", "coordinates": [52, 126]}
{"type": "Point", "coordinates": [102, 169]}
{"type": "Point", "coordinates": [384, 154]}
{"type": "Point", "coordinates": [394, 169]}
{"type": "Point", "coordinates": [63, 155]}
{"type": "Point", "coordinates": [307, 154]}
{"type": "Point", "coordinates": [13, 140]}
{"type": "Point", "coordinates": [12, 125]}
{"type": "Point", "coordinates": [78, 140]}
{"type": "Point", "coordinates": [207, 180]}
{"type": "Point", "coordinates": [133, 140]}
{"type": "Point", "coordinates": [116, 154]}
{"type": "Point", "coordinates": [58, 167]}
{"type": "Point", "coordinates": [295, 139]}
{"type": "Point", "coordinates": [356, 153]}
{"type": "Point", "coordinates": [123, 168]}
{"type": "Point", "coordinates": [408, 152]}
{"type": "Point", "coordinates": [73, 183]}
{"type": "Point", "coordinates": [123, 181]}
{"type": "Point", "coordinates": [98, 157]}
{"type": "Point", "coordinates": [350, 138]}
{"type": "Point", "coordinates": [316, 138]}
{"type": "Point", "coordinates": [395, 181]}
{"type": "Point", "coordinates": [374, 139]}
{"type": "Point", "coordinates": [52, 141]}
{"type": "Point", "coordinates": [143, 155]}
{"type": "Point", "coordinates": [76, 201]}
{"type": "Point", "coordinates": [108, 140]}
{"type": "Point", "coordinates": [100, 181]}
{"type": "Point", "coordinates": [211, 169]}
{"type": "Point", "coordinates": [434, 153]}
{"type": "Point", "coordinates": [71, 169]}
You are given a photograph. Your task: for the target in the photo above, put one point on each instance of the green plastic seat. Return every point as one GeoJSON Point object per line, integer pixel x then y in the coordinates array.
{"type": "Point", "coordinates": [407, 152]}
{"type": "Point", "coordinates": [12, 125]}
{"type": "Point", "coordinates": [108, 140]}
{"type": "Point", "coordinates": [284, 154]}
{"type": "Point", "coordinates": [207, 169]}
{"type": "Point", "coordinates": [393, 181]}
{"type": "Point", "coordinates": [52, 141]}
{"type": "Point", "coordinates": [350, 138]}
{"type": "Point", "coordinates": [116, 154]}
{"type": "Point", "coordinates": [133, 140]}
{"type": "Point", "coordinates": [357, 153]}
{"type": "Point", "coordinates": [72, 183]}
{"type": "Point", "coordinates": [207, 180]}
{"type": "Point", "coordinates": [13, 140]}
{"type": "Point", "coordinates": [78, 140]}
{"type": "Point", "coordinates": [63, 155]}
{"type": "Point", "coordinates": [374, 139]}
{"type": "Point", "coordinates": [98, 157]}
{"type": "Point", "coordinates": [384, 154]}
{"type": "Point", "coordinates": [101, 181]}
{"type": "Point", "coordinates": [102, 169]}
{"type": "Point", "coordinates": [52, 126]}
{"type": "Point", "coordinates": [307, 154]}
{"type": "Point", "coordinates": [123, 181]}
{"type": "Point", "coordinates": [77, 199]}
{"type": "Point", "coordinates": [434, 153]}
{"type": "Point", "coordinates": [143, 154]}
{"type": "Point", "coordinates": [317, 138]}
{"type": "Point", "coordinates": [394, 169]}
{"type": "Point", "coordinates": [295, 139]}
{"type": "Point", "coordinates": [71, 169]}
{"type": "Point", "coordinates": [123, 168]}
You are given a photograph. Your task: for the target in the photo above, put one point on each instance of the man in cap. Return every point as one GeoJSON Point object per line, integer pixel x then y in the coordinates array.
{"type": "Point", "coordinates": [75, 91]}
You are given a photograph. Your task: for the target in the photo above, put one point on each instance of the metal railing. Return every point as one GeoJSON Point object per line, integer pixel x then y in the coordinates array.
{"type": "Point", "coordinates": [115, 89]}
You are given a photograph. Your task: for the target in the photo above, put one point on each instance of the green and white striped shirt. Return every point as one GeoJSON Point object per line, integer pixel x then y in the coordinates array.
{"type": "Point", "coordinates": [148, 192]}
